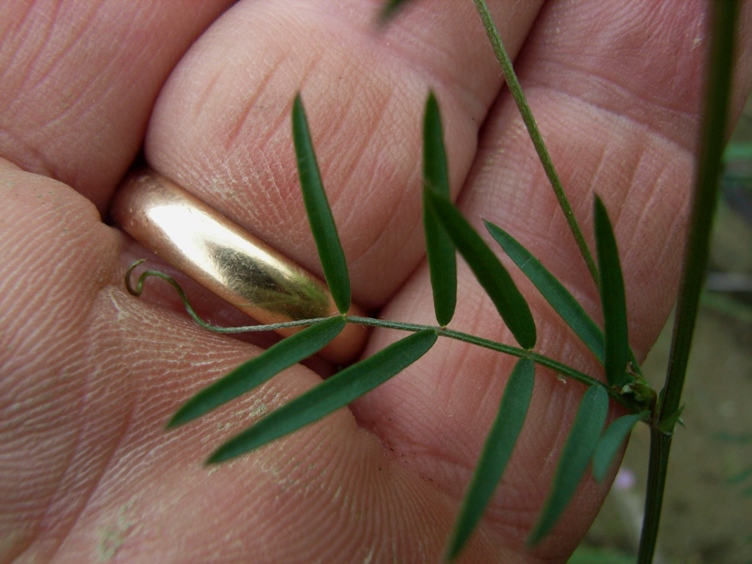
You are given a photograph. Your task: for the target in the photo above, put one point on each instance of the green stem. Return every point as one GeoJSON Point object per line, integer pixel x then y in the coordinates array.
{"type": "Point", "coordinates": [527, 117]}
{"type": "Point", "coordinates": [560, 368]}
{"type": "Point", "coordinates": [660, 445]}
{"type": "Point", "coordinates": [712, 140]}
{"type": "Point", "coordinates": [540, 359]}
{"type": "Point", "coordinates": [540, 147]}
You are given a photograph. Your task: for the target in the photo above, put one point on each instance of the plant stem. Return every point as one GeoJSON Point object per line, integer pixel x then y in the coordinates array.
{"type": "Point", "coordinates": [709, 168]}
{"type": "Point", "coordinates": [560, 368]}
{"type": "Point", "coordinates": [527, 117]}
{"type": "Point", "coordinates": [371, 322]}
{"type": "Point", "coordinates": [540, 147]}
{"type": "Point", "coordinates": [540, 359]}
{"type": "Point", "coordinates": [660, 446]}
{"type": "Point", "coordinates": [712, 140]}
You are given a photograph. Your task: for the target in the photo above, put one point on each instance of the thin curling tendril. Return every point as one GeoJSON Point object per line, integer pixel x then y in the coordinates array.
{"type": "Point", "coordinates": [139, 288]}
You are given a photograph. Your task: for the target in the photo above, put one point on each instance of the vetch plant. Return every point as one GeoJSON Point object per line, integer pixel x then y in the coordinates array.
{"type": "Point", "coordinates": [591, 444]}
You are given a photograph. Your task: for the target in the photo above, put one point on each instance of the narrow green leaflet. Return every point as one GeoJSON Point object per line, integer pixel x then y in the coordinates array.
{"type": "Point", "coordinates": [319, 214]}
{"type": "Point", "coordinates": [554, 291]}
{"type": "Point", "coordinates": [613, 299]}
{"type": "Point", "coordinates": [491, 274]}
{"type": "Point", "coordinates": [611, 441]}
{"type": "Point", "coordinates": [330, 395]}
{"type": "Point", "coordinates": [575, 457]}
{"type": "Point", "coordinates": [496, 453]}
{"type": "Point", "coordinates": [258, 370]}
{"type": "Point", "coordinates": [442, 257]}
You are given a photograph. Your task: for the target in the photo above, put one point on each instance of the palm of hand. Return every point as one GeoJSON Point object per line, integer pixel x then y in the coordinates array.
{"type": "Point", "coordinates": [90, 374]}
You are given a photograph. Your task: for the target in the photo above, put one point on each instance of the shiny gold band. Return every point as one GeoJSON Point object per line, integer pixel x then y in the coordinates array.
{"type": "Point", "coordinates": [226, 259]}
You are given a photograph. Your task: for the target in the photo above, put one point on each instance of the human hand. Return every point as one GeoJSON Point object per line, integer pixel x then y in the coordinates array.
{"type": "Point", "coordinates": [89, 374]}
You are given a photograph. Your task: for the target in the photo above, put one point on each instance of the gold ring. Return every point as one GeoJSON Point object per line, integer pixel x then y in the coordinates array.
{"type": "Point", "coordinates": [226, 259]}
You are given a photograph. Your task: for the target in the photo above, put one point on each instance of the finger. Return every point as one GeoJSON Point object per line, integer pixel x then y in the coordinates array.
{"type": "Point", "coordinates": [79, 81]}
{"type": "Point", "coordinates": [616, 94]}
{"type": "Point", "coordinates": [222, 124]}
{"type": "Point", "coordinates": [88, 377]}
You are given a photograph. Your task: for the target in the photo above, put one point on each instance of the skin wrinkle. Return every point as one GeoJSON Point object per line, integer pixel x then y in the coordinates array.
{"type": "Point", "coordinates": [83, 499]}
{"type": "Point", "coordinates": [347, 511]}
{"type": "Point", "coordinates": [683, 142]}
{"type": "Point", "coordinates": [298, 552]}
{"type": "Point", "coordinates": [651, 208]}
{"type": "Point", "coordinates": [59, 495]}
{"type": "Point", "coordinates": [650, 112]}
{"type": "Point", "coordinates": [629, 236]}
{"type": "Point", "coordinates": [614, 209]}
{"type": "Point", "coordinates": [54, 303]}
{"type": "Point", "coordinates": [9, 43]}
{"type": "Point", "coordinates": [388, 218]}
{"type": "Point", "coordinates": [39, 51]}
{"type": "Point", "coordinates": [297, 257]}
{"type": "Point", "coordinates": [641, 25]}
{"type": "Point", "coordinates": [60, 217]}
{"type": "Point", "coordinates": [378, 107]}
{"type": "Point", "coordinates": [49, 71]}
{"type": "Point", "coordinates": [160, 405]}
{"type": "Point", "coordinates": [622, 218]}
{"type": "Point", "coordinates": [6, 35]}
{"type": "Point", "coordinates": [241, 120]}
{"type": "Point", "coordinates": [211, 187]}
{"type": "Point", "coordinates": [436, 75]}
{"type": "Point", "coordinates": [206, 94]}
{"type": "Point", "coordinates": [39, 523]}
{"type": "Point", "coordinates": [274, 192]}
{"type": "Point", "coordinates": [59, 156]}
{"type": "Point", "coordinates": [332, 172]}
{"type": "Point", "coordinates": [604, 162]}
{"type": "Point", "coordinates": [402, 254]}
{"type": "Point", "coordinates": [31, 154]}
{"type": "Point", "coordinates": [561, 80]}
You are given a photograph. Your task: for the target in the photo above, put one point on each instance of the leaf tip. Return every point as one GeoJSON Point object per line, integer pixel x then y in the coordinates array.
{"type": "Point", "coordinates": [432, 105]}
{"type": "Point", "coordinates": [175, 422]}
{"type": "Point", "coordinates": [183, 415]}
{"type": "Point", "coordinates": [220, 455]}
{"type": "Point", "coordinates": [389, 11]}
{"type": "Point", "coordinates": [452, 552]}
{"type": "Point", "coordinates": [535, 537]}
